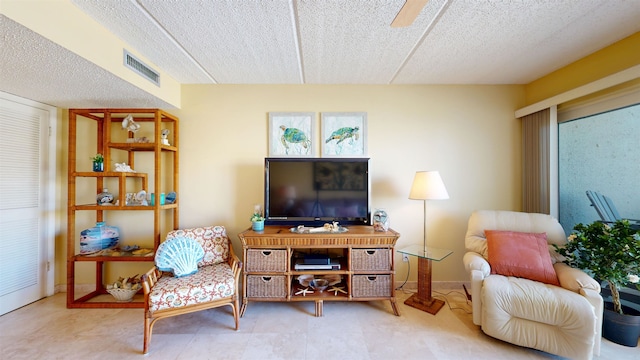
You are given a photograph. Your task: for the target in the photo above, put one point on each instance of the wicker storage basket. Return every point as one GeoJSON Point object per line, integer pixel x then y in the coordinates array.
{"type": "Point", "coordinates": [266, 260]}
{"type": "Point", "coordinates": [365, 286]}
{"type": "Point", "coordinates": [266, 286]}
{"type": "Point", "coordinates": [370, 259]}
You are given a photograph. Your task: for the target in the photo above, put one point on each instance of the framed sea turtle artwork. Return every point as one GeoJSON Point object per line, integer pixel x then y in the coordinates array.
{"type": "Point", "coordinates": [292, 134]}
{"type": "Point", "coordinates": [344, 134]}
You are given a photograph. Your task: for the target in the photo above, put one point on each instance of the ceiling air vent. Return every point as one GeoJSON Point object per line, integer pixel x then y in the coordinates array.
{"type": "Point", "coordinates": [141, 68]}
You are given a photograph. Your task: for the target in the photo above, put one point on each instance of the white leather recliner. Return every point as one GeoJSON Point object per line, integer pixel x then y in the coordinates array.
{"type": "Point", "coordinates": [565, 320]}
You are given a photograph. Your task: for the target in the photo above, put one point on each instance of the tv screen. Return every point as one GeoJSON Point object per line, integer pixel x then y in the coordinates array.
{"type": "Point", "coordinates": [314, 191]}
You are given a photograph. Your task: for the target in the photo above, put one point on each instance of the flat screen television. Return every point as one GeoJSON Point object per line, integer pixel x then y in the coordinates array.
{"type": "Point", "coordinates": [315, 191]}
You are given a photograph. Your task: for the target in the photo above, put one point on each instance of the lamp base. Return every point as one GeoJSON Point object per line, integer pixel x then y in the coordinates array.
{"type": "Point", "coordinates": [431, 306]}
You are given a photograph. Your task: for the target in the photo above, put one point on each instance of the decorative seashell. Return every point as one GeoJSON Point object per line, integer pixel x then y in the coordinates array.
{"type": "Point", "coordinates": [179, 255]}
{"type": "Point", "coordinates": [333, 279]}
{"type": "Point", "coordinates": [171, 197]}
{"type": "Point", "coordinates": [305, 279]}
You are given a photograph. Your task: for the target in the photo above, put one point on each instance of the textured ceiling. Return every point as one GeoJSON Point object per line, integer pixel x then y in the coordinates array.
{"type": "Point", "coordinates": [58, 77]}
{"type": "Point", "coordinates": [331, 42]}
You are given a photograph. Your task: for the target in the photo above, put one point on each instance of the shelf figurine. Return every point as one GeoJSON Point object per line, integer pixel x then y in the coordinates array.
{"type": "Point", "coordinates": [165, 133]}
{"type": "Point", "coordinates": [123, 167]}
{"type": "Point", "coordinates": [130, 125]}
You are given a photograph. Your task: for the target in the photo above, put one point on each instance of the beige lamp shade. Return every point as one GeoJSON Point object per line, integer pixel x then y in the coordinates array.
{"type": "Point", "coordinates": [428, 185]}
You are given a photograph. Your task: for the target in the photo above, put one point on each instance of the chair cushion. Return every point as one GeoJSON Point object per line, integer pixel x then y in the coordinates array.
{"type": "Point", "coordinates": [481, 220]}
{"type": "Point", "coordinates": [536, 315]}
{"type": "Point", "coordinates": [209, 283]}
{"type": "Point", "coordinates": [519, 254]}
{"type": "Point", "coordinates": [213, 239]}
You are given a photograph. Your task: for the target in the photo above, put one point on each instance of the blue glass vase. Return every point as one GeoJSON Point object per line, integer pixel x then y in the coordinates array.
{"type": "Point", "coordinates": [104, 198]}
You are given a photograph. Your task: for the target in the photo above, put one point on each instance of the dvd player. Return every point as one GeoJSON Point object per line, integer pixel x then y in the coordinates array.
{"type": "Point", "coordinates": [302, 265]}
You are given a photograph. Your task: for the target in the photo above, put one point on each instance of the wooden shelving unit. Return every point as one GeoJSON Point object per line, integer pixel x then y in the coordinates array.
{"type": "Point", "coordinates": [109, 140]}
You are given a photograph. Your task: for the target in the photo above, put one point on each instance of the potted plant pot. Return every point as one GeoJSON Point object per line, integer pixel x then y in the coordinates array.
{"type": "Point", "coordinates": [257, 225]}
{"type": "Point", "coordinates": [257, 220]}
{"type": "Point", "coordinates": [621, 329]}
{"type": "Point", "coordinates": [98, 163]}
{"type": "Point", "coordinates": [611, 253]}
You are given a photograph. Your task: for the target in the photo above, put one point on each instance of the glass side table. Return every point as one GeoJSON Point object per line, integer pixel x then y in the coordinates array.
{"type": "Point", "coordinates": [422, 299]}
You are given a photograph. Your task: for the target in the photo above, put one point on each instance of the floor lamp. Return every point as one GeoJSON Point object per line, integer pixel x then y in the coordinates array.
{"type": "Point", "coordinates": [427, 185]}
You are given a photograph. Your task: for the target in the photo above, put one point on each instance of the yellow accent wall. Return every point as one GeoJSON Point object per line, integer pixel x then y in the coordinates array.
{"type": "Point", "coordinates": [610, 60]}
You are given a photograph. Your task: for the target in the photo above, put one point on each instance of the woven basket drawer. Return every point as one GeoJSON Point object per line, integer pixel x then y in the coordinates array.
{"type": "Point", "coordinates": [266, 286]}
{"type": "Point", "coordinates": [370, 259]}
{"type": "Point", "coordinates": [266, 260]}
{"type": "Point", "coordinates": [371, 286]}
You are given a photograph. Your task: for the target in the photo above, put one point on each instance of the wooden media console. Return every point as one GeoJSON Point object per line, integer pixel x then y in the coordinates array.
{"type": "Point", "coordinates": [365, 257]}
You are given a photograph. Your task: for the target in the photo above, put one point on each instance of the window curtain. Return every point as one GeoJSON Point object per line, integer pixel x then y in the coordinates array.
{"type": "Point", "coordinates": [539, 163]}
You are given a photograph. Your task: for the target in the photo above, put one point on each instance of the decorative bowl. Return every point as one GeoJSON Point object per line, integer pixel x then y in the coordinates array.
{"type": "Point", "coordinates": [123, 295]}
{"type": "Point", "coordinates": [319, 284]}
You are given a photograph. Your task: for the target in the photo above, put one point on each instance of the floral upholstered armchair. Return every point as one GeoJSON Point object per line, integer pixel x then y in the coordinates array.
{"type": "Point", "coordinates": [214, 284]}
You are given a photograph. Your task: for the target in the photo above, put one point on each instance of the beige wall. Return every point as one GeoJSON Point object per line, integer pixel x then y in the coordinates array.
{"type": "Point", "coordinates": [61, 198]}
{"type": "Point", "coordinates": [468, 133]}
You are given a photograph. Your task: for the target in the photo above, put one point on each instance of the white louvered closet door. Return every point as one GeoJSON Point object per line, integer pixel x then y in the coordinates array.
{"type": "Point", "coordinates": [23, 145]}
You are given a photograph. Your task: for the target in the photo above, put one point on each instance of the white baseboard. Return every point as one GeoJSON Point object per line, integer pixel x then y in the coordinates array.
{"type": "Point", "coordinates": [437, 285]}
{"type": "Point", "coordinates": [79, 288]}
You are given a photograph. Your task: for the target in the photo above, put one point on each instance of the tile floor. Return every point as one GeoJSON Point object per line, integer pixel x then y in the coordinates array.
{"type": "Point", "coordinates": [356, 330]}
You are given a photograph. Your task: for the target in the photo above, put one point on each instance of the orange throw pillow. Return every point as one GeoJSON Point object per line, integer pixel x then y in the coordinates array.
{"type": "Point", "coordinates": [519, 254]}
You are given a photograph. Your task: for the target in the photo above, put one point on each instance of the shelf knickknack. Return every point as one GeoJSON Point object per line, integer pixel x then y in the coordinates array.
{"type": "Point", "coordinates": [98, 163]}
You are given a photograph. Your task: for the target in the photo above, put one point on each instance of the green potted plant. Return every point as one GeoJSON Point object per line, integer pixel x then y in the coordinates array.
{"type": "Point", "coordinates": [257, 219]}
{"type": "Point", "coordinates": [98, 163]}
{"type": "Point", "coordinates": [609, 253]}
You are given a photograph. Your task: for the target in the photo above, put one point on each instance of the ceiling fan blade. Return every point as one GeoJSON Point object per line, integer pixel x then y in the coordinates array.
{"type": "Point", "coordinates": [409, 12]}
